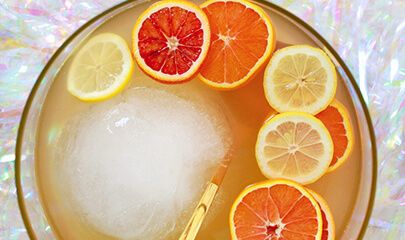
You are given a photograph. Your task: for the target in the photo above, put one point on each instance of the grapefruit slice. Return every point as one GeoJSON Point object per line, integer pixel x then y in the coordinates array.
{"type": "Point", "coordinates": [295, 146]}
{"type": "Point", "coordinates": [300, 78]}
{"type": "Point", "coordinates": [328, 224]}
{"type": "Point", "coordinates": [337, 121]}
{"type": "Point", "coordinates": [242, 40]}
{"type": "Point", "coordinates": [275, 210]}
{"type": "Point", "coordinates": [171, 40]}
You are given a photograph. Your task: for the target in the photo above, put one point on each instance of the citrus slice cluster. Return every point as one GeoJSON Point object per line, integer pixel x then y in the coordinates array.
{"type": "Point", "coordinates": [280, 209]}
{"type": "Point", "coordinates": [227, 42]}
{"type": "Point", "coordinates": [171, 41]}
{"type": "Point", "coordinates": [300, 83]}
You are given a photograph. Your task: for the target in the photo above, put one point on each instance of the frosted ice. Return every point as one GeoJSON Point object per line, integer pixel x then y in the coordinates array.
{"type": "Point", "coordinates": [136, 163]}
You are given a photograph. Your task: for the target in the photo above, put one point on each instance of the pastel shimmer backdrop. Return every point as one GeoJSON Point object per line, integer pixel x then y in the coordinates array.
{"type": "Point", "coordinates": [368, 34]}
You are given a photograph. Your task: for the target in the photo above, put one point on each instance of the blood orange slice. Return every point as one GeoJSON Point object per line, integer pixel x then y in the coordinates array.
{"type": "Point", "coordinates": [336, 119]}
{"type": "Point", "coordinates": [275, 210]}
{"type": "Point", "coordinates": [328, 224]}
{"type": "Point", "coordinates": [171, 40]}
{"type": "Point", "coordinates": [242, 40]}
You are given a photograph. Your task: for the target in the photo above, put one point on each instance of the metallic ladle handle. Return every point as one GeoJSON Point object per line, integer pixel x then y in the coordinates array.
{"type": "Point", "coordinates": [193, 226]}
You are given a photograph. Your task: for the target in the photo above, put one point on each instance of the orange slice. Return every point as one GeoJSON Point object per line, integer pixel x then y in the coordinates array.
{"type": "Point", "coordinates": [336, 119]}
{"type": "Point", "coordinates": [171, 40]}
{"type": "Point", "coordinates": [275, 210]}
{"type": "Point", "coordinates": [295, 146]}
{"type": "Point", "coordinates": [328, 224]}
{"type": "Point", "coordinates": [242, 40]}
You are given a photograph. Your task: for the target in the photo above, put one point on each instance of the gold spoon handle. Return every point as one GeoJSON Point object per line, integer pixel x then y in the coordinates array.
{"type": "Point", "coordinates": [191, 230]}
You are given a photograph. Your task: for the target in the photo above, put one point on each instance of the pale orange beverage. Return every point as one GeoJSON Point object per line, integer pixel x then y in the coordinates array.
{"type": "Point", "coordinates": [246, 108]}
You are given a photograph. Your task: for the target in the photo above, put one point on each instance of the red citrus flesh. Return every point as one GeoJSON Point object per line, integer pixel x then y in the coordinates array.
{"type": "Point", "coordinates": [325, 229]}
{"type": "Point", "coordinates": [335, 118]}
{"type": "Point", "coordinates": [328, 224]}
{"type": "Point", "coordinates": [171, 41]}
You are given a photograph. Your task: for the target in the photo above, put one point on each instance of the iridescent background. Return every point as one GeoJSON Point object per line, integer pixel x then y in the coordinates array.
{"type": "Point", "coordinates": [368, 34]}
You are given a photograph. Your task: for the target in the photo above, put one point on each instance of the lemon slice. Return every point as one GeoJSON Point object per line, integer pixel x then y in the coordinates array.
{"type": "Point", "coordinates": [300, 78]}
{"type": "Point", "coordinates": [101, 68]}
{"type": "Point", "coordinates": [295, 146]}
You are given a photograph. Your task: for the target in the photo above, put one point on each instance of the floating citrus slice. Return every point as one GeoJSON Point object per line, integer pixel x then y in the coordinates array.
{"type": "Point", "coordinates": [328, 224]}
{"type": "Point", "coordinates": [295, 146]}
{"type": "Point", "coordinates": [242, 40]}
{"type": "Point", "coordinates": [300, 78]}
{"type": "Point", "coordinates": [101, 68]}
{"type": "Point", "coordinates": [275, 210]}
{"type": "Point", "coordinates": [170, 40]}
{"type": "Point", "coordinates": [336, 119]}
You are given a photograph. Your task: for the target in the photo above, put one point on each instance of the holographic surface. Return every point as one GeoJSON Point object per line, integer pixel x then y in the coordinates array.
{"type": "Point", "coordinates": [369, 36]}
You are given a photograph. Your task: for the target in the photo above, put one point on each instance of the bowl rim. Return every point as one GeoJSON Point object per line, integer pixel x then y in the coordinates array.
{"type": "Point", "coordinates": [27, 107]}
